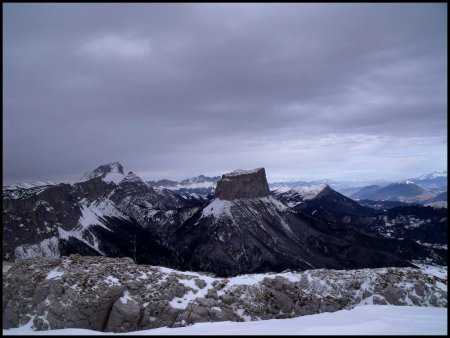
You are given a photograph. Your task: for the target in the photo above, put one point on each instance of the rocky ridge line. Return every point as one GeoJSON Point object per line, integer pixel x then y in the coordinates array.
{"type": "Point", "coordinates": [116, 295]}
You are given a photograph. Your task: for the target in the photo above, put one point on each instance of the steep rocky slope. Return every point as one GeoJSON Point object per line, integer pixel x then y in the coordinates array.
{"type": "Point", "coordinates": [413, 225]}
{"type": "Point", "coordinates": [106, 213]}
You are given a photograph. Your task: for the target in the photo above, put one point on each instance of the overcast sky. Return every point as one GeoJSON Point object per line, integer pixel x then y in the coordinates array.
{"type": "Point", "coordinates": [340, 91]}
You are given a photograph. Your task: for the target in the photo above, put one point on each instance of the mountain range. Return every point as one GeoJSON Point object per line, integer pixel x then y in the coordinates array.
{"type": "Point", "coordinates": [244, 227]}
{"type": "Point", "coordinates": [408, 192]}
{"type": "Point", "coordinates": [421, 189]}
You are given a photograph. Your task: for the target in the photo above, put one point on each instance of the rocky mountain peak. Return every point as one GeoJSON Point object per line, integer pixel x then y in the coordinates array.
{"type": "Point", "coordinates": [200, 179]}
{"type": "Point", "coordinates": [325, 191]}
{"type": "Point", "coordinates": [132, 177]}
{"type": "Point", "coordinates": [434, 174]}
{"type": "Point", "coordinates": [110, 172]}
{"type": "Point", "coordinates": [243, 184]}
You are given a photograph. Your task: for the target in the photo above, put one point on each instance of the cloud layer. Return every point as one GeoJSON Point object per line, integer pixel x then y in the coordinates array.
{"type": "Point", "coordinates": [174, 90]}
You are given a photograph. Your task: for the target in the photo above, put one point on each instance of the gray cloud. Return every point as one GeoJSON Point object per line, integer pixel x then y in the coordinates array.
{"type": "Point", "coordinates": [174, 90]}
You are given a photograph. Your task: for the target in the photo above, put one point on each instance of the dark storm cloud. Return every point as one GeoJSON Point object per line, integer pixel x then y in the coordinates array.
{"type": "Point", "coordinates": [173, 90]}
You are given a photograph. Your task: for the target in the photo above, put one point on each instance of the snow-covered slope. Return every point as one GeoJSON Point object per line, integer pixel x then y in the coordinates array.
{"type": "Point", "coordinates": [406, 191]}
{"type": "Point", "coordinates": [39, 225]}
{"type": "Point", "coordinates": [199, 182]}
{"type": "Point", "coordinates": [28, 185]}
{"type": "Point", "coordinates": [434, 174]}
{"type": "Point", "coordinates": [263, 234]}
{"type": "Point", "coordinates": [437, 205]}
{"type": "Point", "coordinates": [94, 216]}
{"type": "Point", "coordinates": [365, 320]}
{"type": "Point", "coordinates": [321, 198]}
{"type": "Point", "coordinates": [20, 190]}
{"type": "Point", "coordinates": [295, 196]}
{"type": "Point", "coordinates": [195, 189]}
{"type": "Point", "coordinates": [111, 172]}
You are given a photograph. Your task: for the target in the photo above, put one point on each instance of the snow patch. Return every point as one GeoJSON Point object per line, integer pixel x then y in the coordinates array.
{"type": "Point", "coordinates": [143, 275]}
{"type": "Point", "coordinates": [305, 192]}
{"type": "Point", "coordinates": [193, 185]}
{"type": "Point", "coordinates": [126, 296]}
{"type": "Point", "coordinates": [282, 189]}
{"type": "Point", "coordinates": [217, 208]}
{"type": "Point", "coordinates": [240, 313]}
{"type": "Point", "coordinates": [114, 177]}
{"type": "Point", "coordinates": [190, 283]}
{"type": "Point", "coordinates": [434, 174]}
{"type": "Point", "coordinates": [48, 248]}
{"type": "Point", "coordinates": [54, 274]}
{"type": "Point", "coordinates": [91, 214]}
{"type": "Point", "coordinates": [252, 279]}
{"type": "Point", "coordinates": [110, 280]}
{"type": "Point", "coordinates": [28, 185]}
{"type": "Point", "coordinates": [191, 295]}
{"type": "Point", "coordinates": [182, 302]}
{"type": "Point", "coordinates": [310, 192]}
{"type": "Point", "coordinates": [110, 172]}
{"type": "Point", "coordinates": [438, 205]}
{"type": "Point", "coordinates": [434, 270]}
{"type": "Point", "coordinates": [83, 235]}
{"type": "Point", "coordinates": [242, 172]}
{"type": "Point", "coordinates": [280, 206]}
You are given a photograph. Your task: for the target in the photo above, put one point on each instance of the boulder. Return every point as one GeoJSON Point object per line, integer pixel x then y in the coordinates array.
{"type": "Point", "coordinates": [124, 316]}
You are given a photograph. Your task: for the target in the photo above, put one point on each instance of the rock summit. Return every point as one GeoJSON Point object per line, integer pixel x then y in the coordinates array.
{"type": "Point", "coordinates": [243, 184]}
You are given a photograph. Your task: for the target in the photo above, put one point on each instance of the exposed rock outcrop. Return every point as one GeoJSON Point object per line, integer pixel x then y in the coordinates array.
{"type": "Point", "coordinates": [114, 294]}
{"type": "Point", "coordinates": [242, 184]}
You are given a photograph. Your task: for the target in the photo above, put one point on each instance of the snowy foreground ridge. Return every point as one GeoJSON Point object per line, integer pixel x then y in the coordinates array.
{"type": "Point", "coordinates": [362, 320]}
{"type": "Point", "coordinates": [116, 295]}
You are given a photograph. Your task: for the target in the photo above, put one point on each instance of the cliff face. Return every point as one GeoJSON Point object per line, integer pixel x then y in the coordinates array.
{"type": "Point", "coordinates": [243, 184]}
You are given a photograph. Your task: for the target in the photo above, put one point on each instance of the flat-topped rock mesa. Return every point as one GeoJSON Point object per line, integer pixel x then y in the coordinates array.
{"type": "Point", "coordinates": [242, 184]}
